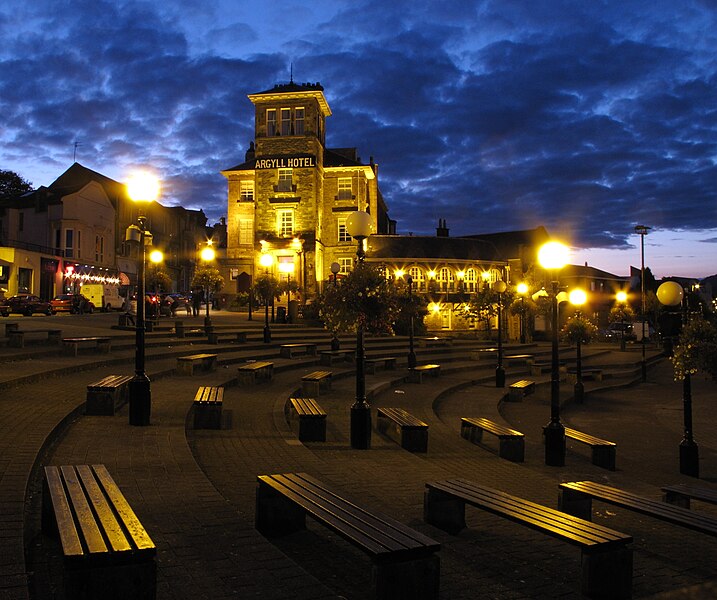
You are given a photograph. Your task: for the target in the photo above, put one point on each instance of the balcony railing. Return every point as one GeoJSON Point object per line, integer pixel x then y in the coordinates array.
{"type": "Point", "coordinates": [31, 247]}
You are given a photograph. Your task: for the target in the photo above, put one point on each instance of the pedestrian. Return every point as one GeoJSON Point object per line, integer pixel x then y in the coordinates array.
{"type": "Point", "coordinates": [196, 302]}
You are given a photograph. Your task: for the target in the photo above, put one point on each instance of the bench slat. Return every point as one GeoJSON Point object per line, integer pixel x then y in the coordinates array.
{"type": "Point", "coordinates": [91, 534]}
{"type": "Point", "coordinates": [491, 427]}
{"type": "Point", "coordinates": [587, 438]}
{"type": "Point", "coordinates": [69, 536]}
{"type": "Point", "coordinates": [317, 376]}
{"type": "Point", "coordinates": [401, 417]}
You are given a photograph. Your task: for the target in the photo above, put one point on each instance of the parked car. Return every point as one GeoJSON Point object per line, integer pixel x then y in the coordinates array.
{"type": "Point", "coordinates": [151, 305]}
{"type": "Point", "coordinates": [73, 303]}
{"type": "Point", "coordinates": [27, 304]}
{"type": "Point", "coordinates": [171, 303]}
{"type": "Point", "coordinates": [618, 330]}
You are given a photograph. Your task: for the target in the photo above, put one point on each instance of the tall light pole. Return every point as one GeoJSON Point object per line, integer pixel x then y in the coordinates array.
{"type": "Point", "coordinates": [266, 261]}
{"type": "Point", "coordinates": [335, 344]}
{"type": "Point", "coordinates": [500, 287]}
{"type": "Point", "coordinates": [642, 230]}
{"type": "Point", "coordinates": [578, 298]}
{"type": "Point", "coordinates": [141, 188]}
{"type": "Point", "coordinates": [411, 351]}
{"type": "Point", "coordinates": [672, 294]}
{"type": "Point", "coordinates": [358, 226]}
{"type": "Point", "coordinates": [522, 291]}
{"type": "Point", "coordinates": [208, 256]}
{"type": "Point", "coordinates": [552, 256]}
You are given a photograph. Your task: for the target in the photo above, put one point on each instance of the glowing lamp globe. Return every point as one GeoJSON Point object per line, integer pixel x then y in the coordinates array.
{"type": "Point", "coordinates": [670, 293]}
{"type": "Point", "coordinates": [143, 187]}
{"type": "Point", "coordinates": [553, 256]}
{"type": "Point", "coordinates": [358, 224]}
{"type": "Point", "coordinates": [578, 297]}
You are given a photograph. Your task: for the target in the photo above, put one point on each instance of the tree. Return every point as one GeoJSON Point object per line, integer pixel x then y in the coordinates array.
{"type": "Point", "coordinates": [267, 288]}
{"type": "Point", "coordinates": [483, 304]}
{"type": "Point", "coordinates": [158, 280]}
{"type": "Point", "coordinates": [11, 184]}
{"type": "Point", "coordinates": [207, 277]}
{"type": "Point", "coordinates": [696, 349]}
{"type": "Point", "coordinates": [409, 305]}
{"type": "Point", "coordinates": [578, 328]}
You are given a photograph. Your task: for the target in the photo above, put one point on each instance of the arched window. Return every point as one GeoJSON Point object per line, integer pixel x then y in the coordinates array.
{"type": "Point", "coordinates": [419, 282]}
{"type": "Point", "coordinates": [470, 282]}
{"type": "Point", "coordinates": [445, 279]}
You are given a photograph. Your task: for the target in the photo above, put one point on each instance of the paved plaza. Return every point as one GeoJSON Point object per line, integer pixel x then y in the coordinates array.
{"type": "Point", "coordinates": [194, 490]}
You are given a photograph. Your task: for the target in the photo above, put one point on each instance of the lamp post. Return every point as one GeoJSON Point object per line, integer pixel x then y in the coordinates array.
{"type": "Point", "coordinates": [266, 261]}
{"type": "Point", "coordinates": [621, 298]}
{"type": "Point", "coordinates": [335, 344]}
{"type": "Point", "coordinates": [642, 230]}
{"type": "Point", "coordinates": [578, 298]}
{"type": "Point", "coordinates": [672, 294]}
{"type": "Point", "coordinates": [358, 226]}
{"type": "Point", "coordinates": [411, 352]}
{"type": "Point", "coordinates": [522, 291]}
{"type": "Point", "coordinates": [207, 255]}
{"type": "Point", "coordinates": [552, 256]}
{"type": "Point", "coordinates": [500, 287]}
{"type": "Point", "coordinates": [141, 188]}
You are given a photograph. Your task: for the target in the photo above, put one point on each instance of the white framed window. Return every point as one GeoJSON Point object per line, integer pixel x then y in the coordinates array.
{"type": "Point", "coordinates": [271, 122]}
{"type": "Point", "coordinates": [346, 265]}
{"type": "Point", "coordinates": [285, 180]}
{"type": "Point", "coordinates": [445, 279]}
{"type": "Point", "coordinates": [246, 191]}
{"type": "Point", "coordinates": [299, 120]}
{"type": "Point", "coordinates": [416, 274]}
{"type": "Point", "coordinates": [246, 231]}
{"type": "Point", "coordinates": [285, 222]}
{"type": "Point", "coordinates": [345, 188]}
{"type": "Point", "coordinates": [343, 232]}
{"type": "Point", "coordinates": [471, 278]}
{"type": "Point", "coordinates": [285, 114]}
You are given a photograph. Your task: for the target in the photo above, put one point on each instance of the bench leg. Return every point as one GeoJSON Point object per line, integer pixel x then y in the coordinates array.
{"type": "Point", "coordinates": [275, 515]}
{"type": "Point", "coordinates": [312, 429]}
{"type": "Point", "coordinates": [185, 368]}
{"type": "Point", "coordinates": [414, 440]}
{"type": "Point", "coordinates": [677, 499]}
{"type": "Point", "coordinates": [607, 574]}
{"type": "Point", "coordinates": [101, 403]}
{"type": "Point", "coordinates": [512, 449]}
{"type": "Point", "coordinates": [416, 579]}
{"type": "Point", "coordinates": [310, 389]}
{"type": "Point", "coordinates": [575, 503]}
{"type": "Point", "coordinates": [604, 457]}
{"type": "Point", "coordinates": [444, 511]}
{"type": "Point", "coordinates": [136, 581]}
{"type": "Point", "coordinates": [471, 433]}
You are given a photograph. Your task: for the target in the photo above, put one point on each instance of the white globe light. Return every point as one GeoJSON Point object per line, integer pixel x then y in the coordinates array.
{"type": "Point", "coordinates": [553, 255]}
{"type": "Point", "coordinates": [670, 293]}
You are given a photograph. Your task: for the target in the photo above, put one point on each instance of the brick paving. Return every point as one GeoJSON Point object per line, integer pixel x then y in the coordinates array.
{"type": "Point", "coordinates": [194, 490]}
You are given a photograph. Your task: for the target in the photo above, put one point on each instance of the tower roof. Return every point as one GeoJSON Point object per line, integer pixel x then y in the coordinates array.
{"type": "Point", "coordinates": [291, 90]}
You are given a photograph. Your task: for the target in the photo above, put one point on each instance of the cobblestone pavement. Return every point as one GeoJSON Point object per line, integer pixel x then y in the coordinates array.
{"type": "Point", "coordinates": [194, 490]}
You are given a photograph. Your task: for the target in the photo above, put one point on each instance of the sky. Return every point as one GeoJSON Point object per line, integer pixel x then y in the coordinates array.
{"type": "Point", "coordinates": [586, 117]}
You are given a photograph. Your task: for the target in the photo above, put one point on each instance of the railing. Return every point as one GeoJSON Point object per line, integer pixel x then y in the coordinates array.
{"type": "Point", "coordinates": [32, 247]}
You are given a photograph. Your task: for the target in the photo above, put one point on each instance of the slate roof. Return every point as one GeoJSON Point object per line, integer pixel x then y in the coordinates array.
{"type": "Point", "coordinates": [284, 88]}
{"type": "Point", "coordinates": [398, 247]}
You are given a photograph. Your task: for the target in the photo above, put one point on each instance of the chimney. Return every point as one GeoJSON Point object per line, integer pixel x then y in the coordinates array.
{"type": "Point", "coordinates": [249, 153]}
{"type": "Point", "coordinates": [442, 230]}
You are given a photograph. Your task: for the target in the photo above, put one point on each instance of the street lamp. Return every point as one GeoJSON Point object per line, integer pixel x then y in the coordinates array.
{"type": "Point", "coordinates": [672, 294]}
{"type": "Point", "coordinates": [500, 287]}
{"type": "Point", "coordinates": [578, 298]}
{"type": "Point", "coordinates": [141, 188]}
{"type": "Point", "coordinates": [552, 256]}
{"type": "Point", "coordinates": [642, 230]}
{"type": "Point", "coordinates": [358, 226]}
{"type": "Point", "coordinates": [335, 344]}
{"type": "Point", "coordinates": [411, 352]}
{"type": "Point", "coordinates": [207, 255]}
{"type": "Point", "coordinates": [266, 261]}
{"type": "Point", "coordinates": [522, 291]}
{"type": "Point", "coordinates": [621, 298]}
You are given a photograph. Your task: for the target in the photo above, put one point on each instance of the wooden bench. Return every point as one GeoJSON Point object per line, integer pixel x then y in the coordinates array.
{"type": "Point", "coordinates": [405, 564]}
{"type": "Point", "coordinates": [603, 451]}
{"type": "Point", "coordinates": [237, 336]}
{"type": "Point", "coordinates": [103, 344]}
{"type": "Point", "coordinates": [312, 383]}
{"type": "Point", "coordinates": [186, 364]}
{"type": "Point", "coordinates": [482, 353]}
{"type": "Point", "coordinates": [16, 338]}
{"type": "Point", "coordinates": [208, 403]}
{"type": "Point", "coordinates": [327, 357]}
{"type": "Point", "coordinates": [517, 358]}
{"type": "Point", "coordinates": [307, 418]}
{"type": "Point", "coordinates": [576, 499]}
{"type": "Point", "coordinates": [403, 428]}
{"type": "Point", "coordinates": [511, 443]}
{"type": "Point", "coordinates": [520, 389]}
{"type": "Point", "coordinates": [429, 342]}
{"type": "Point", "coordinates": [388, 362]}
{"type": "Point", "coordinates": [254, 372]}
{"type": "Point", "coordinates": [104, 545]}
{"type": "Point", "coordinates": [681, 493]}
{"type": "Point", "coordinates": [11, 327]}
{"type": "Point", "coordinates": [585, 373]}
{"type": "Point", "coordinates": [415, 375]}
{"type": "Point", "coordinates": [105, 396]}
{"type": "Point", "coordinates": [606, 556]}
{"type": "Point", "coordinates": [288, 350]}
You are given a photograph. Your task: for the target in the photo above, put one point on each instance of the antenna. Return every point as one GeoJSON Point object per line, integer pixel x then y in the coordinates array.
{"type": "Point", "coordinates": [291, 78]}
{"type": "Point", "coordinates": [74, 155]}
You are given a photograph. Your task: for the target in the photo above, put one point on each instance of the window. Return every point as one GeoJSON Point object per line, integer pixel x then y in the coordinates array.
{"type": "Point", "coordinates": [271, 122]}
{"type": "Point", "coordinates": [286, 222]}
{"type": "Point", "coordinates": [69, 243]}
{"type": "Point", "coordinates": [285, 121]}
{"type": "Point", "coordinates": [285, 179]}
{"type": "Point", "coordinates": [299, 121]}
{"type": "Point", "coordinates": [346, 265]}
{"type": "Point", "coordinates": [343, 232]}
{"type": "Point", "coordinates": [246, 191]}
{"type": "Point", "coordinates": [417, 275]}
{"type": "Point", "coordinates": [345, 189]}
{"type": "Point", "coordinates": [99, 248]}
{"type": "Point", "coordinates": [445, 279]}
{"type": "Point", "coordinates": [471, 279]}
{"type": "Point", "coordinates": [78, 245]}
{"type": "Point", "coordinates": [246, 231]}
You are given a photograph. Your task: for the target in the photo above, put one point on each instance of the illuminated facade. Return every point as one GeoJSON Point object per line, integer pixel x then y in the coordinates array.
{"type": "Point", "coordinates": [291, 196]}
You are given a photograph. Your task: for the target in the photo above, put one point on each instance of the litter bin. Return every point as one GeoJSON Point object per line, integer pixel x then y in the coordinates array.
{"type": "Point", "coordinates": [281, 314]}
{"type": "Point", "coordinates": [293, 311]}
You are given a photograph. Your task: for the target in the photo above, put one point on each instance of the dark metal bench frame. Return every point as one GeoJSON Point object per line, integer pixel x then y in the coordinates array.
{"type": "Point", "coordinates": [287, 350]}
{"type": "Point", "coordinates": [251, 373]}
{"type": "Point", "coordinates": [520, 389]}
{"type": "Point", "coordinates": [101, 343]}
{"type": "Point", "coordinates": [237, 336]}
{"type": "Point", "coordinates": [16, 337]}
{"type": "Point", "coordinates": [511, 443]}
{"type": "Point", "coordinates": [312, 383]}
{"type": "Point", "coordinates": [681, 494]}
{"type": "Point", "coordinates": [370, 364]}
{"type": "Point", "coordinates": [415, 375]}
{"type": "Point", "coordinates": [307, 418]}
{"type": "Point", "coordinates": [402, 427]}
{"type": "Point", "coordinates": [405, 563]}
{"type": "Point", "coordinates": [327, 357]}
{"type": "Point", "coordinates": [606, 557]}
{"type": "Point", "coordinates": [603, 451]}
{"type": "Point", "coordinates": [185, 364]}
{"type": "Point", "coordinates": [107, 395]}
{"type": "Point", "coordinates": [207, 405]}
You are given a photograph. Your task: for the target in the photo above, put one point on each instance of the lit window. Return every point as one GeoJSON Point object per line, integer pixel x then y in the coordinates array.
{"type": "Point", "coordinates": [246, 192]}
{"type": "Point", "coordinates": [246, 231]}
{"type": "Point", "coordinates": [343, 232]}
{"type": "Point", "coordinates": [299, 121]}
{"type": "Point", "coordinates": [285, 121]}
{"type": "Point", "coordinates": [471, 278]}
{"type": "Point", "coordinates": [346, 265]}
{"type": "Point", "coordinates": [445, 279]}
{"type": "Point", "coordinates": [286, 222]}
{"type": "Point", "coordinates": [418, 280]}
{"type": "Point", "coordinates": [271, 122]}
{"type": "Point", "coordinates": [345, 191]}
{"type": "Point", "coordinates": [285, 179]}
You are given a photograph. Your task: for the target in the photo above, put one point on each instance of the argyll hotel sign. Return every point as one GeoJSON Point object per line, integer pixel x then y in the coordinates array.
{"type": "Point", "coordinates": [298, 161]}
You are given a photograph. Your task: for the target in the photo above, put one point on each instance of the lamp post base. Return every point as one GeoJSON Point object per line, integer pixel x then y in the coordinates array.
{"type": "Point", "coordinates": [411, 360]}
{"type": "Point", "coordinates": [140, 400]}
{"type": "Point", "coordinates": [207, 325]}
{"type": "Point", "coordinates": [554, 433]}
{"type": "Point", "coordinates": [361, 425]}
{"type": "Point", "coordinates": [335, 344]}
{"type": "Point", "coordinates": [267, 334]}
{"type": "Point", "coordinates": [689, 458]}
{"type": "Point", "coordinates": [579, 392]}
{"type": "Point", "coordinates": [499, 376]}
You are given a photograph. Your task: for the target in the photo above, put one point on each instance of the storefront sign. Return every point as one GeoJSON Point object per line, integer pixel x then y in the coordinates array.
{"type": "Point", "coordinates": [285, 162]}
